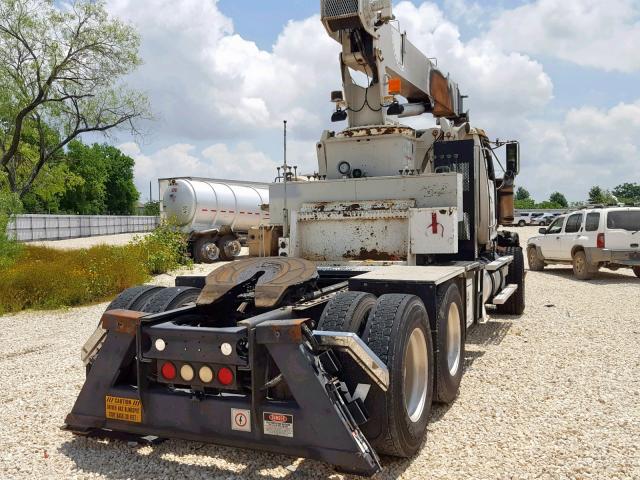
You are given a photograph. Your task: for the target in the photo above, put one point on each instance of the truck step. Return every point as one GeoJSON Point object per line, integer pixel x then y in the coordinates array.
{"type": "Point", "coordinates": [505, 294]}
{"type": "Point", "coordinates": [499, 263]}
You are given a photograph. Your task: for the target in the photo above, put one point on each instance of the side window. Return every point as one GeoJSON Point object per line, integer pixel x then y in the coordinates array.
{"type": "Point", "coordinates": [574, 223]}
{"type": "Point", "coordinates": [556, 227]}
{"type": "Point", "coordinates": [593, 222]}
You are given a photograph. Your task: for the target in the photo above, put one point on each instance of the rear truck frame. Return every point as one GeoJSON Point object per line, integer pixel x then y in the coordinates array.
{"type": "Point", "coordinates": [273, 379]}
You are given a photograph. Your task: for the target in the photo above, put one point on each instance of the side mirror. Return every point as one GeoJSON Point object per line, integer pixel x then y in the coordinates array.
{"type": "Point", "coordinates": [543, 231]}
{"type": "Point", "coordinates": [513, 158]}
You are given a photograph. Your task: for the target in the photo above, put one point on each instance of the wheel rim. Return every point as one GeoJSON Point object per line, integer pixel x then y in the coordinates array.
{"type": "Point", "coordinates": [454, 335]}
{"type": "Point", "coordinates": [233, 248]}
{"type": "Point", "coordinates": [211, 251]}
{"type": "Point", "coordinates": [532, 256]}
{"type": "Point", "coordinates": [579, 264]}
{"type": "Point", "coordinates": [416, 364]}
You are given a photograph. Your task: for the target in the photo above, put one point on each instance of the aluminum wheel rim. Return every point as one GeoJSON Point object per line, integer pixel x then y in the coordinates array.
{"type": "Point", "coordinates": [454, 335]}
{"type": "Point", "coordinates": [579, 264]}
{"type": "Point", "coordinates": [416, 364]}
{"type": "Point", "coordinates": [211, 251]}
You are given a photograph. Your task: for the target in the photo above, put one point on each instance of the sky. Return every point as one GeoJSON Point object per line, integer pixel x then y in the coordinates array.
{"type": "Point", "coordinates": [560, 76]}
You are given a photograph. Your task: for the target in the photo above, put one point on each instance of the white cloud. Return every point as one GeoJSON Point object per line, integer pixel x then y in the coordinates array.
{"type": "Point", "coordinates": [591, 33]}
{"type": "Point", "coordinates": [500, 85]}
{"type": "Point", "coordinates": [222, 98]}
{"type": "Point", "coordinates": [588, 147]}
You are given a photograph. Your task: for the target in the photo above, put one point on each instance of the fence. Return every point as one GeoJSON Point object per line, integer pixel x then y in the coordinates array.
{"type": "Point", "coordinates": [28, 228]}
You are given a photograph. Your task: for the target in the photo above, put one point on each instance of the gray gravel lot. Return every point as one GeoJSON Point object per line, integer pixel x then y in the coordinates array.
{"type": "Point", "coordinates": [553, 394]}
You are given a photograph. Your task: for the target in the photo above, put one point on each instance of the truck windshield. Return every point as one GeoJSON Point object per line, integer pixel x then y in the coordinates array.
{"type": "Point", "coordinates": [624, 220]}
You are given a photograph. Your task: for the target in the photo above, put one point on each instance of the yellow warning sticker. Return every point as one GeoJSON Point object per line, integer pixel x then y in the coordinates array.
{"type": "Point", "coordinates": [126, 409]}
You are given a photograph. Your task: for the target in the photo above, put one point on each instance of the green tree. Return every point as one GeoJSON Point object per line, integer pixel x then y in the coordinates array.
{"type": "Point", "coordinates": [628, 192]}
{"type": "Point", "coordinates": [152, 209]}
{"type": "Point", "coordinates": [121, 193]}
{"type": "Point", "coordinates": [104, 181]}
{"type": "Point", "coordinates": [596, 195]}
{"type": "Point", "coordinates": [61, 72]}
{"type": "Point", "coordinates": [559, 199]}
{"type": "Point", "coordinates": [522, 194]}
{"type": "Point", "coordinates": [525, 204]}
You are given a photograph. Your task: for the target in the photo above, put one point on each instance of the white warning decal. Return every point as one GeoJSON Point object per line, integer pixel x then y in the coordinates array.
{"type": "Point", "coordinates": [277, 424]}
{"type": "Point", "coordinates": [240, 420]}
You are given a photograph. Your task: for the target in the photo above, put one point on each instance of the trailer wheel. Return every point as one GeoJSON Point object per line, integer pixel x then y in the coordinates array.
{"type": "Point", "coordinates": [170, 299]}
{"type": "Point", "coordinates": [347, 312]}
{"type": "Point", "coordinates": [449, 343]}
{"type": "Point", "coordinates": [516, 303]}
{"type": "Point", "coordinates": [399, 335]}
{"type": "Point", "coordinates": [535, 263]}
{"type": "Point", "coordinates": [205, 250]}
{"type": "Point", "coordinates": [229, 247]}
{"type": "Point", "coordinates": [133, 298]}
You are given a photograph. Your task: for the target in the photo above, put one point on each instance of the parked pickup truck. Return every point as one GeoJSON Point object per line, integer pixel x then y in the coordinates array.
{"type": "Point", "coordinates": [589, 240]}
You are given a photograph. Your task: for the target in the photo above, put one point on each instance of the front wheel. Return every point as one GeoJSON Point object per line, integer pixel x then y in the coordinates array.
{"type": "Point", "coordinates": [399, 334]}
{"type": "Point", "coordinates": [636, 270]}
{"type": "Point", "coordinates": [535, 263]}
{"type": "Point", "coordinates": [522, 223]}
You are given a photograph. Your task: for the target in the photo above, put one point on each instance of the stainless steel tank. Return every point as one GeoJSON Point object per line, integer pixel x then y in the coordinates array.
{"type": "Point", "coordinates": [197, 205]}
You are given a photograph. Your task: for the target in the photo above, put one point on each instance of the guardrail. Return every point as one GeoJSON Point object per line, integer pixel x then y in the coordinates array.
{"type": "Point", "coordinates": [29, 228]}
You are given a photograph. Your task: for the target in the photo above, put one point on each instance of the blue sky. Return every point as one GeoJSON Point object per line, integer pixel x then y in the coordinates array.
{"type": "Point", "coordinates": [560, 75]}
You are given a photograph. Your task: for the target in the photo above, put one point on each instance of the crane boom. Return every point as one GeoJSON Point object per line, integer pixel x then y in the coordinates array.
{"type": "Point", "coordinates": [374, 46]}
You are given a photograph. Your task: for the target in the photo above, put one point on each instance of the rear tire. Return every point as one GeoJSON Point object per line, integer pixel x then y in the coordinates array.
{"type": "Point", "coordinates": [581, 268]}
{"type": "Point", "coordinates": [134, 298]}
{"type": "Point", "coordinates": [205, 250]}
{"type": "Point", "coordinates": [400, 336]}
{"type": "Point", "coordinates": [449, 343]}
{"type": "Point", "coordinates": [522, 223]}
{"type": "Point", "coordinates": [636, 270]}
{"type": "Point", "coordinates": [347, 312]}
{"type": "Point", "coordinates": [535, 263]}
{"type": "Point", "coordinates": [516, 303]}
{"type": "Point", "coordinates": [171, 299]}
{"type": "Point", "coordinates": [229, 247]}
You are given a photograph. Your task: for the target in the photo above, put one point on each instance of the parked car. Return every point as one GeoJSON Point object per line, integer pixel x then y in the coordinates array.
{"type": "Point", "coordinates": [545, 219]}
{"type": "Point", "coordinates": [589, 240]}
{"type": "Point", "coordinates": [526, 218]}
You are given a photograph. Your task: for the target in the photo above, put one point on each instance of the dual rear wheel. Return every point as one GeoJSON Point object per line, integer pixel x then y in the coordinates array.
{"type": "Point", "coordinates": [422, 367]}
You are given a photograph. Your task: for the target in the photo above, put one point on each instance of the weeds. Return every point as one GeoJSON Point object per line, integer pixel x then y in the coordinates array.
{"type": "Point", "coordinates": [45, 278]}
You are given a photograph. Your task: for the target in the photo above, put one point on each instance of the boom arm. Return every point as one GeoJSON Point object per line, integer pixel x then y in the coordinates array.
{"type": "Point", "coordinates": [392, 64]}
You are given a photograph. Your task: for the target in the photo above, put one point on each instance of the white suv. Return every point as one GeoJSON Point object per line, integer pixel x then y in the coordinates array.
{"type": "Point", "coordinates": [588, 240]}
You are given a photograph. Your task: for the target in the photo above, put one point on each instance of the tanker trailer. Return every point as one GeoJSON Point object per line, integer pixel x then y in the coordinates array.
{"type": "Point", "coordinates": [214, 213]}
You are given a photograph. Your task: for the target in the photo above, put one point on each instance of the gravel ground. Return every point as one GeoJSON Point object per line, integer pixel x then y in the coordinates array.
{"type": "Point", "coordinates": [88, 242]}
{"type": "Point", "coordinates": [553, 394]}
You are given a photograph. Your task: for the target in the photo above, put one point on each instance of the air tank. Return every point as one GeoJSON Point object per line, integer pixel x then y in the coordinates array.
{"type": "Point", "coordinates": [199, 204]}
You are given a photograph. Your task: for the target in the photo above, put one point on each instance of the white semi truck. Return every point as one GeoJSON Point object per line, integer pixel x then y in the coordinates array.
{"type": "Point", "coordinates": [214, 213]}
{"type": "Point", "coordinates": [337, 348]}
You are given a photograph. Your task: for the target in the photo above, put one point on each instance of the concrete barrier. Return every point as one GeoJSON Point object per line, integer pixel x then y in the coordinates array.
{"type": "Point", "coordinates": [30, 228]}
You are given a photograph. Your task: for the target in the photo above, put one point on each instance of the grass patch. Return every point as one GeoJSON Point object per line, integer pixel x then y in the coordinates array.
{"type": "Point", "coordinates": [43, 278]}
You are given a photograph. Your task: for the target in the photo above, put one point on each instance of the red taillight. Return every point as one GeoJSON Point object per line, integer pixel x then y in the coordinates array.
{"type": "Point", "coordinates": [225, 376]}
{"type": "Point", "coordinates": [168, 370]}
{"type": "Point", "coordinates": [601, 242]}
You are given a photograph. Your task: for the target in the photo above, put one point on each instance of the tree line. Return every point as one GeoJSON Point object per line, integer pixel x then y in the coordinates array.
{"type": "Point", "coordinates": [61, 79]}
{"type": "Point", "coordinates": [626, 193]}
